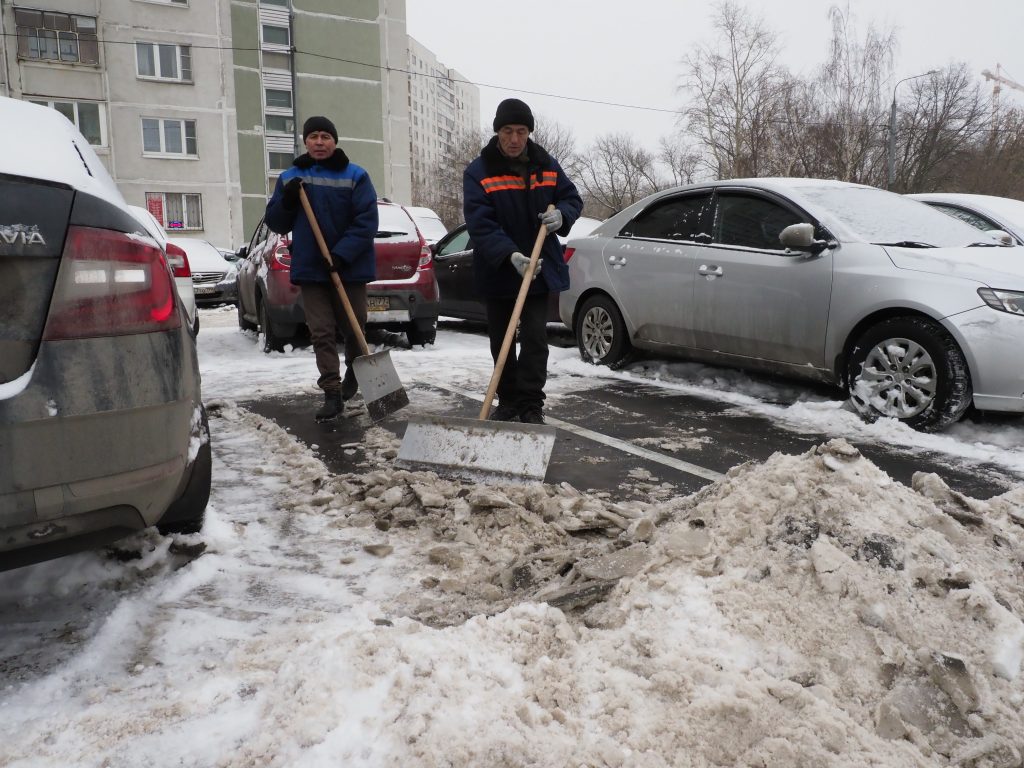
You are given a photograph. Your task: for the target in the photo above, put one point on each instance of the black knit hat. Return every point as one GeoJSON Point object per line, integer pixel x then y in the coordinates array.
{"type": "Point", "coordinates": [513, 112]}
{"type": "Point", "coordinates": [318, 123]}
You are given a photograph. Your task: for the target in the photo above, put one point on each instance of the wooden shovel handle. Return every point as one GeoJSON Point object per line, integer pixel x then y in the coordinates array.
{"type": "Point", "coordinates": [326, 253]}
{"type": "Point", "coordinates": [510, 332]}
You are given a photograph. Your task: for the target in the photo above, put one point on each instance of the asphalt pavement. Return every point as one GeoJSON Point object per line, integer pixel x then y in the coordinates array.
{"type": "Point", "coordinates": [630, 439]}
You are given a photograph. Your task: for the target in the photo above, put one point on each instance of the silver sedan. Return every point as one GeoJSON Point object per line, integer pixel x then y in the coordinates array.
{"type": "Point", "coordinates": [916, 314]}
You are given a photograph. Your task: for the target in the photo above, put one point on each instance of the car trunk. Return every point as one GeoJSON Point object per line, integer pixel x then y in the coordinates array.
{"type": "Point", "coordinates": [33, 226]}
{"type": "Point", "coordinates": [397, 245]}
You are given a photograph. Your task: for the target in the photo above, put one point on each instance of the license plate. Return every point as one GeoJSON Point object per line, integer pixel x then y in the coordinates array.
{"type": "Point", "coordinates": [201, 289]}
{"type": "Point", "coordinates": [378, 303]}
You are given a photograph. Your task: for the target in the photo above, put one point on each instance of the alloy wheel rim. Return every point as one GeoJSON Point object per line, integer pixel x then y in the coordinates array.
{"type": "Point", "coordinates": [598, 332]}
{"type": "Point", "coordinates": [898, 379]}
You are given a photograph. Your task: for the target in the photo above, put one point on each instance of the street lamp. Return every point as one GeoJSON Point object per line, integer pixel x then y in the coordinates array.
{"type": "Point", "coordinates": [892, 126]}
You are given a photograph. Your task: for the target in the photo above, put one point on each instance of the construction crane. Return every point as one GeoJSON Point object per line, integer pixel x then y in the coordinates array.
{"type": "Point", "coordinates": [999, 81]}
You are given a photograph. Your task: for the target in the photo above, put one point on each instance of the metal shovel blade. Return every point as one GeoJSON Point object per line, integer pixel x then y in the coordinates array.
{"type": "Point", "coordinates": [490, 451]}
{"type": "Point", "coordinates": [382, 390]}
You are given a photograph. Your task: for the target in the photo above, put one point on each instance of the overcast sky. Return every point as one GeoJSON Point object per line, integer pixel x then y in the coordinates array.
{"type": "Point", "coordinates": [578, 50]}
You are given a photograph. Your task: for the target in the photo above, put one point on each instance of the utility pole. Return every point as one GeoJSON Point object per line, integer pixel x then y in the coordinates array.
{"type": "Point", "coordinates": [891, 178]}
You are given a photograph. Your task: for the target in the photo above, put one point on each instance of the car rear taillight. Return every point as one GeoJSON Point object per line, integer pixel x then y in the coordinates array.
{"type": "Point", "coordinates": [568, 254]}
{"type": "Point", "coordinates": [110, 284]}
{"type": "Point", "coordinates": [282, 260]}
{"type": "Point", "coordinates": [425, 255]}
{"type": "Point", "coordinates": [178, 260]}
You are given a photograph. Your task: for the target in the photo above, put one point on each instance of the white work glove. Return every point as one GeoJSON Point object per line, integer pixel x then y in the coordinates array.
{"type": "Point", "coordinates": [521, 262]}
{"type": "Point", "coordinates": [551, 219]}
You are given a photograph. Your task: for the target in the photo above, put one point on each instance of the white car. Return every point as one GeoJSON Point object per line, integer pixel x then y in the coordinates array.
{"type": "Point", "coordinates": [178, 261]}
{"type": "Point", "coordinates": [214, 278]}
{"type": "Point", "coordinates": [429, 223]}
{"type": "Point", "coordinates": [984, 212]}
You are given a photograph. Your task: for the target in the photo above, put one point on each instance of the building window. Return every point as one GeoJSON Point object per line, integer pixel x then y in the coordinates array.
{"type": "Point", "coordinates": [164, 61]}
{"type": "Point", "coordinates": [167, 2]}
{"type": "Point", "coordinates": [275, 35]}
{"type": "Point", "coordinates": [280, 124]}
{"type": "Point", "coordinates": [87, 116]}
{"type": "Point", "coordinates": [279, 161]}
{"type": "Point", "coordinates": [176, 211]}
{"type": "Point", "coordinates": [278, 98]}
{"type": "Point", "coordinates": [169, 137]}
{"type": "Point", "coordinates": [279, 3]}
{"type": "Point", "coordinates": [62, 37]}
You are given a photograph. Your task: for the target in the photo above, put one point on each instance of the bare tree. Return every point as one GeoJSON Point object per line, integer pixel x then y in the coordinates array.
{"type": "Point", "coordinates": [558, 140]}
{"type": "Point", "coordinates": [735, 89]}
{"type": "Point", "coordinates": [679, 160]}
{"type": "Point", "coordinates": [613, 173]}
{"type": "Point", "coordinates": [948, 117]}
{"type": "Point", "coordinates": [440, 188]}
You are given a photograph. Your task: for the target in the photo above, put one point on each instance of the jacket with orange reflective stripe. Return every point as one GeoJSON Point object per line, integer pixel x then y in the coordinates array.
{"type": "Point", "coordinates": [501, 216]}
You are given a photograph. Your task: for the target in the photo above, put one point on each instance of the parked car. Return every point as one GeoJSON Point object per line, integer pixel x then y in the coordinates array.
{"type": "Point", "coordinates": [101, 420]}
{"type": "Point", "coordinates": [178, 261]}
{"type": "Point", "coordinates": [403, 298]}
{"type": "Point", "coordinates": [453, 260]}
{"type": "Point", "coordinates": [214, 278]}
{"type": "Point", "coordinates": [916, 314]}
{"type": "Point", "coordinates": [984, 212]}
{"type": "Point", "coordinates": [429, 223]}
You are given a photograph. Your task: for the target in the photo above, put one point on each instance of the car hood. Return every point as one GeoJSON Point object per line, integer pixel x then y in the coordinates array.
{"type": "Point", "coordinates": [995, 267]}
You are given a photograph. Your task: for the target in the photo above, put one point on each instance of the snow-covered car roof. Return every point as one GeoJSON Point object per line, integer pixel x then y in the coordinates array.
{"type": "Point", "coordinates": [39, 142]}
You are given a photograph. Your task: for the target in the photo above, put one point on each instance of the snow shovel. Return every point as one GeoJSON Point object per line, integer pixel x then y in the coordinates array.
{"type": "Point", "coordinates": [383, 392]}
{"type": "Point", "coordinates": [478, 449]}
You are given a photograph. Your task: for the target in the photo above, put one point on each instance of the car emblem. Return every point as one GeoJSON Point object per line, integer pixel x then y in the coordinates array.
{"type": "Point", "coordinates": [403, 268]}
{"type": "Point", "coordinates": [26, 235]}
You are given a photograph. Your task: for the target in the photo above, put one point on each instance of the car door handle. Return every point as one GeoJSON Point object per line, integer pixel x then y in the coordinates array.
{"type": "Point", "coordinates": [617, 261]}
{"type": "Point", "coordinates": [710, 271]}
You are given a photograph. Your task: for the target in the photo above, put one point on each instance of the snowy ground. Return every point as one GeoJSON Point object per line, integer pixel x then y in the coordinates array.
{"type": "Point", "coordinates": [804, 611]}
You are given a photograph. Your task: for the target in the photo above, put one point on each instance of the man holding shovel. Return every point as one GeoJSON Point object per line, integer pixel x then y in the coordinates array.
{"type": "Point", "coordinates": [345, 204]}
{"type": "Point", "coordinates": [507, 191]}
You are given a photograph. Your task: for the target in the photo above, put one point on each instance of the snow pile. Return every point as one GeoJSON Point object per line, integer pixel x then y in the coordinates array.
{"type": "Point", "coordinates": [803, 611]}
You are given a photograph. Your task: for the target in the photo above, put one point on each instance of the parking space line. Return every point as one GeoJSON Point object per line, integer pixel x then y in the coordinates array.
{"type": "Point", "coordinates": [611, 442]}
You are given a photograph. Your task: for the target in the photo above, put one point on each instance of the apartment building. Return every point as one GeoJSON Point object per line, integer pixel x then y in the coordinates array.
{"type": "Point", "coordinates": [443, 106]}
{"type": "Point", "coordinates": [148, 82]}
{"type": "Point", "coordinates": [345, 60]}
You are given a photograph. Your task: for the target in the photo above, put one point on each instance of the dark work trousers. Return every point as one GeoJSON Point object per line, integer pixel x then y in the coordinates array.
{"type": "Point", "coordinates": [521, 385]}
{"type": "Point", "coordinates": [325, 316]}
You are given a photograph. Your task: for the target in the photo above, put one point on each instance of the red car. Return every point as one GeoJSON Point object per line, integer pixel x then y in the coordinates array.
{"type": "Point", "coordinates": [403, 298]}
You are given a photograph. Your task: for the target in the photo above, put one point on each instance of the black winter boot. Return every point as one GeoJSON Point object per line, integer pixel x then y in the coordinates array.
{"type": "Point", "coordinates": [349, 385]}
{"type": "Point", "coordinates": [332, 406]}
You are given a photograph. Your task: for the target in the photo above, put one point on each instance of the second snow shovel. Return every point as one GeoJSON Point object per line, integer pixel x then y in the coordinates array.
{"type": "Point", "coordinates": [382, 390]}
{"type": "Point", "coordinates": [480, 449]}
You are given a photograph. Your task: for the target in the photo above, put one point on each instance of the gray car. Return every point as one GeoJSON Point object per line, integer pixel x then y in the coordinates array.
{"type": "Point", "coordinates": [985, 212]}
{"type": "Point", "coordinates": [102, 427]}
{"type": "Point", "coordinates": [918, 315]}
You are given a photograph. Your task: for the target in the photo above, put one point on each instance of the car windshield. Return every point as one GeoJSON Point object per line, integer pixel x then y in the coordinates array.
{"type": "Point", "coordinates": [883, 217]}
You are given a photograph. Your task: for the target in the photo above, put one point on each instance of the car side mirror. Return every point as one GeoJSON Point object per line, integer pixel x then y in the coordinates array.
{"type": "Point", "coordinates": [800, 237]}
{"type": "Point", "coordinates": [1001, 236]}
{"type": "Point", "coordinates": [242, 252]}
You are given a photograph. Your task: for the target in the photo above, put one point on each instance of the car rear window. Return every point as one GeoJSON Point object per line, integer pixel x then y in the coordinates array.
{"type": "Point", "coordinates": [395, 225]}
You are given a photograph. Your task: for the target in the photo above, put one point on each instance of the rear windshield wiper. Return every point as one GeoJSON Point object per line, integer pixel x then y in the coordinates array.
{"type": "Point", "coordinates": [389, 233]}
{"type": "Point", "coordinates": [908, 244]}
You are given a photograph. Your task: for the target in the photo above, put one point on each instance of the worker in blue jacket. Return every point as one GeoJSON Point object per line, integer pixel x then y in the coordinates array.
{"type": "Point", "coordinates": [506, 193]}
{"type": "Point", "coordinates": [345, 203]}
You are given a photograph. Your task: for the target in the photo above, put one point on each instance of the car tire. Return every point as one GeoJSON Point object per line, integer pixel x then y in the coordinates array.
{"type": "Point", "coordinates": [195, 326]}
{"type": "Point", "coordinates": [271, 341]}
{"type": "Point", "coordinates": [420, 335]}
{"type": "Point", "coordinates": [601, 332]}
{"type": "Point", "coordinates": [245, 325]}
{"type": "Point", "coordinates": [910, 369]}
{"type": "Point", "coordinates": [187, 514]}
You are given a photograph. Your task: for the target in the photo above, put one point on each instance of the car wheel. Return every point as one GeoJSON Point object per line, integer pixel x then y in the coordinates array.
{"type": "Point", "coordinates": [245, 325]}
{"type": "Point", "coordinates": [271, 341]}
{"type": "Point", "coordinates": [910, 369]}
{"type": "Point", "coordinates": [601, 332]}
{"type": "Point", "coordinates": [195, 326]}
{"type": "Point", "coordinates": [187, 514]}
{"type": "Point", "coordinates": [421, 336]}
